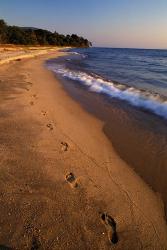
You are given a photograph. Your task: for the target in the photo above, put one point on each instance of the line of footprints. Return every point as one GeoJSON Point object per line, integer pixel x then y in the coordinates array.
{"type": "Point", "coordinates": [64, 145]}
{"type": "Point", "coordinates": [106, 219]}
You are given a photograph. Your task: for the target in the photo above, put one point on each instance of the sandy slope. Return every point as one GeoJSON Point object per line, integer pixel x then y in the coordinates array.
{"type": "Point", "coordinates": [44, 136]}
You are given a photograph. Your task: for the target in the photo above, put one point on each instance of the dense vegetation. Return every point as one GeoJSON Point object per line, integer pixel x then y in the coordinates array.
{"type": "Point", "coordinates": [34, 36]}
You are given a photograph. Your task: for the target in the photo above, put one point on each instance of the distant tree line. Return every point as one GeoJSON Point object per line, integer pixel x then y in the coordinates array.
{"type": "Point", "coordinates": [34, 36]}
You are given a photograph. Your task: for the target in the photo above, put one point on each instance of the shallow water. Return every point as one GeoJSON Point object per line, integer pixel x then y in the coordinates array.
{"type": "Point", "coordinates": [138, 77]}
{"type": "Point", "coordinates": [139, 68]}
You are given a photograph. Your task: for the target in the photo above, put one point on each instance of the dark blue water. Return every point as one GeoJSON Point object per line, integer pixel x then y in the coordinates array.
{"type": "Point", "coordinates": [136, 67]}
{"type": "Point", "coordinates": [137, 76]}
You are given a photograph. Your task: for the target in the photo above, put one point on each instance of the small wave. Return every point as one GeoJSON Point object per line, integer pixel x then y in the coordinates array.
{"type": "Point", "coordinates": [74, 53]}
{"type": "Point", "coordinates": [79, 54]}
{"type": "Point", "coordinates": [139, 98]}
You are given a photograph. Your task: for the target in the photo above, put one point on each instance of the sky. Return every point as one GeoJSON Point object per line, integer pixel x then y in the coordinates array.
{"type": "Point", "coordinates": [106, 23]}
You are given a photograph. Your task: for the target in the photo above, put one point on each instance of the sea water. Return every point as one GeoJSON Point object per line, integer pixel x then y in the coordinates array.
{"type": "Point", "coordinates": [136, 76]}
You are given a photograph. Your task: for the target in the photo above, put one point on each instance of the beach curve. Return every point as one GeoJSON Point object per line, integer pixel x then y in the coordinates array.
{"type": "Point", "coordinates": [43, 125]}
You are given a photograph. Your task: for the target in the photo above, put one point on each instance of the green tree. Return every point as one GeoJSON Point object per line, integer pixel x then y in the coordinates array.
{"type": "Point", "coordinates": [33, 36]}
{"type": "Point", "coordinates": [3, 32]}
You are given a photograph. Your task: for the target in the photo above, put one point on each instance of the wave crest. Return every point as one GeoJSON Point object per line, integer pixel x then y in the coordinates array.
{"type": "Point", "coordinates": [139, 98]}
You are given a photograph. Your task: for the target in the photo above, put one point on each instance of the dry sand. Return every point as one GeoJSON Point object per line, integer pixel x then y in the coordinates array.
{"type": "Point", "coordinates": [10, 53]}
{"type": "Point", "coordinates": [62, 186]}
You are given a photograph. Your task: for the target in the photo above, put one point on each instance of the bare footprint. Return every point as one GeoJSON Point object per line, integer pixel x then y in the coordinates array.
{"type": "Point", "coordinates": [34, 96]}
{"type": "Point", "coordinates": [43, 113]}
{"type": "Point", "coordinates": [30, 83]}
{"type": "Point", "coordinates": [111, 227]}
{"type": "Point", "coordinates": [31, 103]}
{"type": "Point", "coordinates": [64, 146]}
{"type": "Point", "coordinates": [70, 178]}
{"type": "Point", "coordinates": [50, 126]}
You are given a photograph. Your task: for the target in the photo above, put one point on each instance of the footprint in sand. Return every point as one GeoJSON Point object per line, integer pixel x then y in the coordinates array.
{"type": "Point", "coordinates": [30, 83]}
{"type": "Point", "coordinates": [50, 126]}
{"type": "Point", "coordinates": [31, 103]}
{"type": "Point", "coordinates": [65, 146]}
{"type": "Point", "coordinates": [43, 113]}
{"type": "Point", "coordinates": [70, 178]}
{"type": "Point", "coordinates": [29, 86]}
{"type": "Point", "coordinates": [111, 227]}
{"type": "Point", "coordinates": [34, 96]}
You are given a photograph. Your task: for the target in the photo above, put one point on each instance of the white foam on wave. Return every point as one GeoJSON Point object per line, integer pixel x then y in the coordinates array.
{"type": "Point", "coordinates": [76, 53]}
{"type": "Point", "coordinates": [136, 97]}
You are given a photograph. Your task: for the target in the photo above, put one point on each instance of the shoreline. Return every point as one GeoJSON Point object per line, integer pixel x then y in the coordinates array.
{"type": "Point", "coordinates": [62, 138]}
{"type": "Point", "coordinates": [127, 128]}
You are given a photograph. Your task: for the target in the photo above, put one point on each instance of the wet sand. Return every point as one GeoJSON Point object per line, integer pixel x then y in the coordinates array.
{"type": "Point", "coordinates": [139, 137]}
{"type": "Point", "coordinates": [62, 185]}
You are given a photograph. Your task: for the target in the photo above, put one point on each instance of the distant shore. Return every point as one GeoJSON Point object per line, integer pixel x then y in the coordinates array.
{"type": "Point", "coordinates": [59, 174]}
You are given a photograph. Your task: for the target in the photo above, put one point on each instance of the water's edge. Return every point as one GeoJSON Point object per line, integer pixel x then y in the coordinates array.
{"type": "Point", "coordinates": [139, 137]}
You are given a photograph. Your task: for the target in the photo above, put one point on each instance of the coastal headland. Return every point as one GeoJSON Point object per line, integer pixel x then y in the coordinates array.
{"type": "Point", "coordinates": [62, 185]}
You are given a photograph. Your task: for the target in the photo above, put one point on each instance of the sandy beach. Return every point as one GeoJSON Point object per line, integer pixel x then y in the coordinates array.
{"type": "Point", "coordinates": [62, 185]}
{"type": "Point", "coordinates": [9, 53]}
